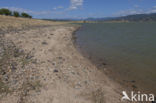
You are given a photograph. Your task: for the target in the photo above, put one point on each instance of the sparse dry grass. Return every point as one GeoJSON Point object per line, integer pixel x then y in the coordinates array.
{"type": "Point", "coordinates": [27, 87]}
{"type": "Point", "coordinates": [98, 96]}
{"type": "Point", "coordinates": [8, 22]}
{"type": "Point", "coordinates": [4, 88]}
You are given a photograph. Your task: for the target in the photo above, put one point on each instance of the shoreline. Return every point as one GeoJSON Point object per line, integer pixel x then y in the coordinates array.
{"type": "Point", "coordinates": [49, 68]}
{"type": "Point", "coordinates": [104, 68]}
{"type": "Point", "coordinates": [99, 65]}
{"type": "Point", "coordinates": [127, 84]}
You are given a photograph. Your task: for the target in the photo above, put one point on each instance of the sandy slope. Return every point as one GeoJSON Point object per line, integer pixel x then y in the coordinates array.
{"type": "Point", "coordinates": [64, 75]}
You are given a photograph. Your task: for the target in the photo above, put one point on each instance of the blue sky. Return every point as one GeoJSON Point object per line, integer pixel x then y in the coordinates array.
{"type": "Point", "coordinates": [80, 8]}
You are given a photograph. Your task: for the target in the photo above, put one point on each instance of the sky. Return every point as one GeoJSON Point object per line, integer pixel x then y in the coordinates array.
{"type": "Point", "coordinates": [79, 9]}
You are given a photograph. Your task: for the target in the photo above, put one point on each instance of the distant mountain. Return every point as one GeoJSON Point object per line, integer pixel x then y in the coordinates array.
{"type": "Point", "coordinates": [135, 17]}
{"type": "Point", "coordinates": [139, 17]}
{"type": "Point", "coordinates": [99, 19]}
{"type": "Point", "coordinates": [67, 19]}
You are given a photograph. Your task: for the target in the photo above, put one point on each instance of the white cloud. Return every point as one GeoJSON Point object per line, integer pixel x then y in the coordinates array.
{"type": "Point", "coordinates": [28, 11]}
{"type": "Point", "coordinates": [59, 7]}
{"type": "Point", "coordinates": [129, 12]}
{"type": "Point", "coordinates": [75, 4]}
{"type": "Point", "coordinates": [154, 7]}
{"type": "Point", "coordinates": [135, 11]}
{"type": "Point", "coordinates": [152, 10]}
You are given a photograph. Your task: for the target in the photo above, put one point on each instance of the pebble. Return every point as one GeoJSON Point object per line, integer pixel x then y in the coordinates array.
{"type": "Point", "coordinates": [133, 81]}
{"type": "Point", "coordinates": [55, 70]}
{"type": "Point", "coordinates": [53, 64]}
{"type": "Point", "coordinates": [44, 43]}
{"type": "Point", "coordinates": [13, 66]}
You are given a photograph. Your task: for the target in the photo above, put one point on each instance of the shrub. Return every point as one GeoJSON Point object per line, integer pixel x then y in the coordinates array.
{"type": "Point", "coordinates": [4, 11]}
{"type": "Point", "coordinates": [1, 13]}
{"type": "Point", "coordinates": [25, 15]}
{"type": "Point", "coordinates": [16, 14]}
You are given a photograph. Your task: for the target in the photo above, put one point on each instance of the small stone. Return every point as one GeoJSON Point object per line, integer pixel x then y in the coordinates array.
{"type": "Point", "coordinates": [60, 57]}
{"type": "Point", "coordinates": [53, 64]}
{"type": "Point", "coordinates": [3, 73]}
{"type": "Point", "coordinates": [6, 78]}
{"type": "Point", "coordinates": [18, 52]}
{"type": "Point", "coordinates": [133, 81]}
{"type": "Point", "coordinates": [78, 85]}
{"type": "Point", "coordinates": [104, 64]}
{"type": "Point", "coordinates": [29, 56]}
{"type": "Point", "coordinates": [55, 70]}
{"type": "Point", "coordinates": [73, 73]}
{"type": "Point", "coordinates": [13, 66]}
{"type": "Point", "coordinates": [44, 43]}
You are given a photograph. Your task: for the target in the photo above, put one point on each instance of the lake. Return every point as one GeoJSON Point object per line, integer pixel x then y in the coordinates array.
{"type": "Point", "coordinates": [128, 49]}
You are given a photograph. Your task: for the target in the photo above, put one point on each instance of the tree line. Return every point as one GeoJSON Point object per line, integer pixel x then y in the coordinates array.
{"type": "Point", "coordinates": [7, 12]}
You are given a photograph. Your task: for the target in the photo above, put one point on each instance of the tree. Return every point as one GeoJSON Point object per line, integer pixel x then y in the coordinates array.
{"type": "Point", "coordinates": [16, 14]}
{"type": "Point", "coordinates": [1, 13]}
{"type": "Point", "coordinates": [4, 11]}
{"type": "Point", "coordinates": [25, 15]}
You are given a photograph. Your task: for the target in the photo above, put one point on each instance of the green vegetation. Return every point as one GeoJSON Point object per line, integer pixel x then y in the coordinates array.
{"type": "Point", "coordinates": [4, 11]}
{"type": "Point", "coordinates": [25, 15]}
{"type": "Point", "coordinates": [16, 14]}
{"type": "Point", "coordinates": [7, 12]}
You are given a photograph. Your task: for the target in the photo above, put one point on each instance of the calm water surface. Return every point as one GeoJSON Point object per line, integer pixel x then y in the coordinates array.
{"type": "Point", "coordinates": [128, 48]}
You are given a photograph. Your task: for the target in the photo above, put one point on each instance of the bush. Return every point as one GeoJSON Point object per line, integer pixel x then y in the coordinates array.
{"type": "Point", "coordinates": [16, 14]}
{"type": "Point", "coordinates": [7, 12]}
{"type": "Point", "coordinates": [25, 15]}
{"type": "Point", "coordinates": [1, 13]}
{"type": "Point", "coordinates": [4, 11]}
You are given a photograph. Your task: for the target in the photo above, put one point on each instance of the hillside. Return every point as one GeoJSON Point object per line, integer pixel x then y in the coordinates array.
{"type": "Point", "coordinates": [136, 17]}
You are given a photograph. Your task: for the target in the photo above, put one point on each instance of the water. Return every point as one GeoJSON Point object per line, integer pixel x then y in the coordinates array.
{"type": "Point", "coordinates": [128, 48]}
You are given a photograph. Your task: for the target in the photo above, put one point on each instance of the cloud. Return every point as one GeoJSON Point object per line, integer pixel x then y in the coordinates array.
{"type": "Point", "coordinates": [128, 12]}
{"type": "Point", "coordinates": [135, 10]}
{"type": "Point", "coordinates": [28, 11]}
{"type": "Point", "coordinates": [154, 7]}
{"type": "Point", "coordinates": [75, 4]}
{"type": "Point", "coordinates": [152, 10]}
{"type": "Point", "coordinates": [59, 7]}
{"type": "Point", "coordinates": [136, 6]}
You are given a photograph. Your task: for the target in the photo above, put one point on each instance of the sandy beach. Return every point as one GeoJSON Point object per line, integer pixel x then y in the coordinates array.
{"type": "Point", "coordinates": [45, 67]}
